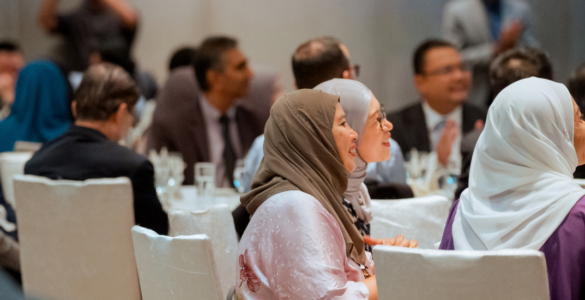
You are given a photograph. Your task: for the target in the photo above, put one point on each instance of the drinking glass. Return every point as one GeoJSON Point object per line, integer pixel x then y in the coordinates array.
{"type": "Point", "coordinates": [205, 178]}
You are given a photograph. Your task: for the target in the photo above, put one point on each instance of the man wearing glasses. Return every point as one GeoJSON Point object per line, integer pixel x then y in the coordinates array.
{"type": "Point", "coordinates": [436, 123]}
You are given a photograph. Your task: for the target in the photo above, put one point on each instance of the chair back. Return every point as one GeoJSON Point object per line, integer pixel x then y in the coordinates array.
{"type": "Point", "coordinates": [176, 267]}
{"type": "Point", "coordinates": [75, 239]}
{"type": "Point", "coordinates": [11, 163]}
{"type": "Point", "coordinates": [422, 219]}
{"type": "Point", "coordinates": [217, 223]}
{"type": "Point", "coordinates": [403, 273]}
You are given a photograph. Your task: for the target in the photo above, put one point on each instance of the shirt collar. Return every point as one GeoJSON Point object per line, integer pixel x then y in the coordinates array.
{"type": "Point", "coordinates": [433, 118]}
{"type": "Point", "coordinates": [213, 113]}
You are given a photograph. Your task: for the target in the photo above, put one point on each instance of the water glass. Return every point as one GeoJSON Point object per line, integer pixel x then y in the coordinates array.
{"type": "Point", "coordinates": [205, 178]}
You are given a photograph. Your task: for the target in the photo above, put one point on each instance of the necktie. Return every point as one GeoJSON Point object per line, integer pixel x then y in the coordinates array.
{"type": "Point", "coordinates": [229, 155]}
{"type": "Point", "coordinates": [437, 132]}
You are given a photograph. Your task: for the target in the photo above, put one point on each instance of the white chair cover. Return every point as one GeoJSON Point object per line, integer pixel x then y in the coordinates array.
{"type": "Point", "coordinates": [403, 273]}
{"type": "Point", "coordinates": [75, 240]}
{"type": "Point", "coordinates": [422, 219]}
{"type": "Point", "coordinates": [11, 163]}
{"type": "Point", "coordinates": [217, 223]}
{"type": "Point", "coordinates": [176, 267]}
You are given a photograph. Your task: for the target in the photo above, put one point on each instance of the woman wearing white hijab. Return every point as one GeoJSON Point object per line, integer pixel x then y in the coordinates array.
{"type": "Point", "coordinates": [521, 192]}
{"type": "Point", "coordinates": [366, 116]}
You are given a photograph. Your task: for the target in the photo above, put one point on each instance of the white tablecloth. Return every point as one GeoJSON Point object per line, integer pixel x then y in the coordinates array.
{"type": "Point", "coordinates": [190, 201]}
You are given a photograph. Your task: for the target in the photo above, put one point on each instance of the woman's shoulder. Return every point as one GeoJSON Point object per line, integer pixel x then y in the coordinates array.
{"type": "Point", "coordinates": [578, 211]}
{"type": "Point", "coordinates": [291, 199]}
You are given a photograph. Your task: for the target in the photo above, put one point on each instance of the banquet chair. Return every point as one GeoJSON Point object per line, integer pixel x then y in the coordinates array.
{"type": "Point", "coordinates": [176, 267]}
{"type": "Point", "coordinates": [75, 239]}
{"type": "Point", "coordinates": [11, 163]}
{"type": "Point", "coordinates": [217, 223]}
{"type": "Point", "coordinates": [404, 273]}
{"type": "Point", "coordinates": [422, 219]}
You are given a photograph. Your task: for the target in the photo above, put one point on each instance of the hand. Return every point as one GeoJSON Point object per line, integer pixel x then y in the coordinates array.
{"type": "Point", "coordinates": [7, 85]}
{"type": "Point", "coordinates": [478, 125]}
{"type": "Point", "coordinates": [509, 37]}
{"type": "Point", "coordinates": [445, 145]}
{"type": "Point", "coordinates": [398, 241]}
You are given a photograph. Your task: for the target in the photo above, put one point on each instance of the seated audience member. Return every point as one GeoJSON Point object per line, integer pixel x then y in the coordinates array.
{"type": "Point", "coordinates": [94, 24]}
{"type": "Point", "coordinates": [521, 191]}
{"type": "Point", "coordinates": [506, 69]}
{"type": "Point", "coordinates": [297, 214]}
{"type": "Point", "coordinates": [366, 116]}
{"type": "Point", "coordinates": [314, 62]}
{"type": "Point", "coordinates": [11, 61]}
{"type": "Point", "coordinates": [199, 119]}
{"type": "Point", "coordinates": [436, 122]}
{"type": "Point", "coordinates": [103, 108]}
{"type": "Point", "coordinates": [41, 109]}
{"type": "Point", "coordinates": [182, 58]}
{"type": "Point", "coordinates": [577, 89]}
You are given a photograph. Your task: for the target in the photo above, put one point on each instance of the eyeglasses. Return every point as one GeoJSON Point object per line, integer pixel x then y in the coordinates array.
{"type": "Point", "coordinates": [448, 70]}
{"type": "Point", "coordinates": [382, 117]}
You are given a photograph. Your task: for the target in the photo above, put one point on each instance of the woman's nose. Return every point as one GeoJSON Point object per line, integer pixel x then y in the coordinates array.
{"type": "Point", "coordinates": [388, 125]}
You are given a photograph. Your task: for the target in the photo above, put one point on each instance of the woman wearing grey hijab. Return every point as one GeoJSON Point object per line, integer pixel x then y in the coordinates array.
{"type": "Point", "coordinates": [366, 116]}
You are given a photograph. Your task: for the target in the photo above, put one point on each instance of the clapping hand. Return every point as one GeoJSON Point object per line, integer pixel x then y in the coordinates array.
{"type": "Point", "coordinates": [398, 241]}
{"type": "Point", "coordinates": [445, 144]}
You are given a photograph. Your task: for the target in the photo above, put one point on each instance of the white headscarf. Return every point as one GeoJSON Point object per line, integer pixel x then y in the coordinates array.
{"type": "Point", "coordinates": [521, 180]}
{"type": "Point", "coordinates": [355, 98]}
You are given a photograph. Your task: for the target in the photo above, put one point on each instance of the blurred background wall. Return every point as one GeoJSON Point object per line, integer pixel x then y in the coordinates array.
{"type": "Point", "coordinates": [380, 35]}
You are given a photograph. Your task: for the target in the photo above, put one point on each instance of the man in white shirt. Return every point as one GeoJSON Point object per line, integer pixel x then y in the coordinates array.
{"type": "Point", "coordinates": [436, 123]}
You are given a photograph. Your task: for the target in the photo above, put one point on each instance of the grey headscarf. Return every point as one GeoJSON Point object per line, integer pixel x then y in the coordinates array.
{"type": "Point", "coordinates": [355, 98]}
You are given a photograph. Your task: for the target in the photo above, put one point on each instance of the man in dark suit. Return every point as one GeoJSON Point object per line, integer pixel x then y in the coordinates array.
{"type": "Point", "coordinates": [103, 109]}
{"type": "Point", "coordinates": [197, 114]}
{"type": "Point", "coordinates": [438, 120]}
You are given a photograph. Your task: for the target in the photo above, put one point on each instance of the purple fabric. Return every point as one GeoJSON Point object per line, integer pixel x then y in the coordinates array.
{"type": "Point", "coordinates": [564, 252]}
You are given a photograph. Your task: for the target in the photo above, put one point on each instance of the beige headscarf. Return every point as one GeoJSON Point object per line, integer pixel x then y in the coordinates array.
{"type": "Point", "coordinates": [300, 154]}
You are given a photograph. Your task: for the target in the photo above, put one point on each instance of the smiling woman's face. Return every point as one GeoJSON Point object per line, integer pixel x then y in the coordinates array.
{"type": "Point", "coordinates": [345, 139]}
{"type": "Point", "coordinates": [579, 134]}
{"type": "Point", "coordinates": [375, 143]}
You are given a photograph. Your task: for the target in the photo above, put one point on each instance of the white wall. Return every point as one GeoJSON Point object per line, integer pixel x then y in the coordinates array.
{"type": "Point", "coordinates": [380, 34]}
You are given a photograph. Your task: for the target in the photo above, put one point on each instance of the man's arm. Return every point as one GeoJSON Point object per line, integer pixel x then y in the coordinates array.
{"type": "Point", "coordinates": [125, 11]}
{"type": "Point", "coordinates": [148, 210]}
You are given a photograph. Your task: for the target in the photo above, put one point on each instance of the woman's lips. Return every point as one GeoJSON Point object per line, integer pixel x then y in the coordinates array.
{"type": "Point", "coordinates": [352, 150]}
{"type": "Point", "coordinates": [387, 144]}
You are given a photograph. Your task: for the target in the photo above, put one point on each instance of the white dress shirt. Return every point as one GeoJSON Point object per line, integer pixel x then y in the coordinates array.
{"type": "Point", "coordinates": [215, 138]}
{"type": "Point", "coordinates": [433, 118]}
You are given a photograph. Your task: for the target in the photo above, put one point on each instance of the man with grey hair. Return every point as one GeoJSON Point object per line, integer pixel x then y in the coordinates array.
{"type": "Point", "coordinates": [103, 108]}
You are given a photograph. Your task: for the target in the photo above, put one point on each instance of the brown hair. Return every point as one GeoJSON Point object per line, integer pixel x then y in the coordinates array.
{"type": "Point", "coordinates": [104, 87]}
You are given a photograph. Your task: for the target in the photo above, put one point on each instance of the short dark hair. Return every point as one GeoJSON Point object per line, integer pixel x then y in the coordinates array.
{"type": "Point", "coordinates": [317, 61]}
{"type": "Point", "coordinates": [209, 56]}
{"type": "Point", "coordinates": [182, 57]}
{"type": "Point", "coordinates": [103, 89]}
{"type": "Point", "coordinates": [577, 85]}
{"type": "Point", "coordinates": [529, 62]}
{"type": "Point", "coordinates": [9, 46]}
{"type": "Point", "coordinates": [421, 52]}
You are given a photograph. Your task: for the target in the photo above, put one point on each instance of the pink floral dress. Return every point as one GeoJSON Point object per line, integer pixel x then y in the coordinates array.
{"type": "Point", "coordinates": [294, 249]}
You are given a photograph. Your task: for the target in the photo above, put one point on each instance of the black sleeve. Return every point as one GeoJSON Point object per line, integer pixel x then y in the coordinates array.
{"type": "Point", "coordinates": [148, 211]}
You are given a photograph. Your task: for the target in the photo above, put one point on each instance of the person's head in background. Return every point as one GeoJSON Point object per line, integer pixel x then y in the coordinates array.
{"type": "Point", "coordinates": [182, 57]}
{"type": "Point", "coordinates": [222, 71]}
{"type": "Point", "coordinates": [517, 64]}
{"type": "Point", "coordinates": [105, 100]}
{"type": "Point", "coordinates": [11, 61]}
{"type": "Point", "coordinates": [577, 85]}
{"type": "Point", "coordinates": [441, 76]}
{"type": "Point", "coordinates": [321, 59]}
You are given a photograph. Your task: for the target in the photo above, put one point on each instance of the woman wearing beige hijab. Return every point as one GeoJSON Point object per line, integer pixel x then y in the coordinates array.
{"type": "Point", "coordinates": [301, 241]}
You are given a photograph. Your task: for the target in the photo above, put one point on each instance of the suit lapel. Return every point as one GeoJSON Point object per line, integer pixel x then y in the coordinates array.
{"type": "Point", "coordinates": [416, 124]}
{"type": "Point", "coordinates": [199, 133]}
